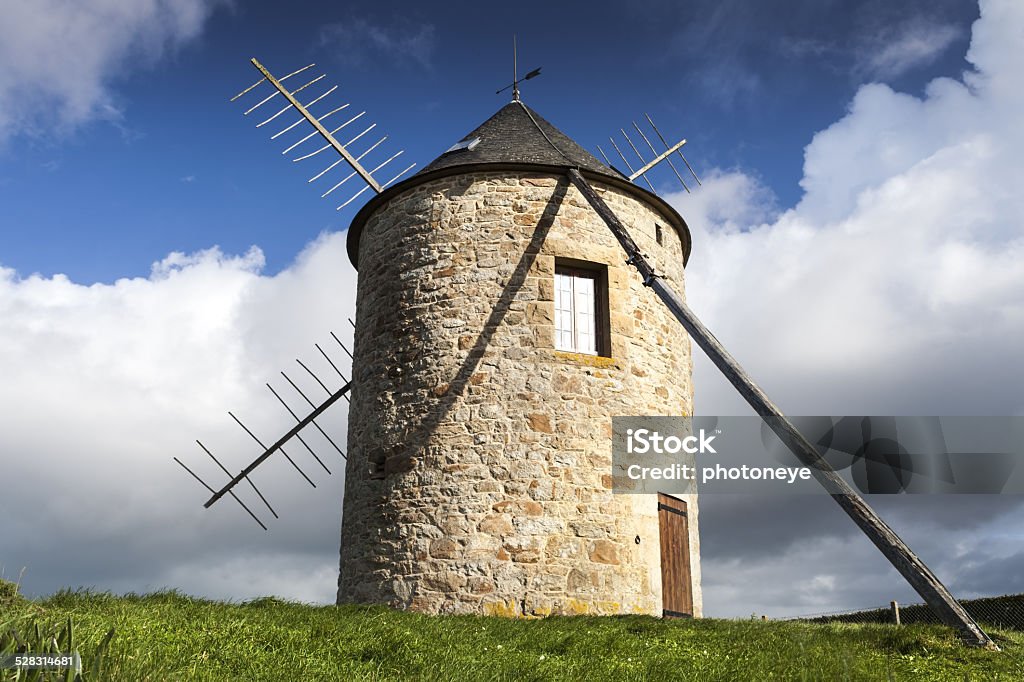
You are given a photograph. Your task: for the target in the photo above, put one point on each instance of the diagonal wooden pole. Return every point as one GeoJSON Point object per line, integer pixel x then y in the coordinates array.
{"type": "Point", "coordinates": [885, 538]}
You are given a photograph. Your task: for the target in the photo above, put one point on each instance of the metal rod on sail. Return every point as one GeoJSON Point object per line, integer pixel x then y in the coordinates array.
{"type": "Point", "coordinates": [690, 168]}
{"type": "Point", "coordinates": [298, 435]}
{"type": "Point", "coordinates": [195, 476]}
{"type": "Point", "coordinates": [328, 359]}
{"type": "Point", "coordinates": [322, 432]}
{"type": "Point", "coordinates": [277, 446]}
{"type": "Point", "coordinates": [248, 480]}
{"type": "Point", "coordinates": [319, 126]}
{"type": "Point", "coordinates": [260, 443]}
{"type": "Point", "coordinates": [343, 346]}
{"type": "Point", "coordinates": [664, 155]}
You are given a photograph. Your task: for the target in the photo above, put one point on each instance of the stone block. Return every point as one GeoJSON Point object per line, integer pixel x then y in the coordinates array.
{"type": "Point", "coordinates": [562, 547]}
{"type": "Point", "coordinates": [604, 552]}
{"type": "Point", "coordinates": [532, 525]}
{"type": "Point", "coordinates": [444, 548]}
{"type": "Point", "coordinates": [526, 470]}
{"type": "Point", "coordinates": [446, 582]}
{"type": "Point", "coordinates": [539, 422]}
{"type": "Point", "coordinates": [539, 313]}
{"type": "Point", "coordinates": [519, 507]}
{"type": "Point", "coordinates": [480, 585]}
{"type": "Point", "coordinates": [496, 524]}
{"type": "Point", "coordinates": [399, 464]}
{"type": "Point", "coordinates": [539, 181]}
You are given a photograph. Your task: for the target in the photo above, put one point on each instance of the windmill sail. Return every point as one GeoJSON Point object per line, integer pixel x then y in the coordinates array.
{"type": "Point", "coordinates": [278, 446]}
{"type": "Point", "coordinates": [348, 151]}
{"type": "Point", "coordinates": [646, 165]}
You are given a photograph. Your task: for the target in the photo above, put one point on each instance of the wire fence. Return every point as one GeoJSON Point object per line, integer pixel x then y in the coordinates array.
{"type": "Point", "coordinates": [1004, 613]}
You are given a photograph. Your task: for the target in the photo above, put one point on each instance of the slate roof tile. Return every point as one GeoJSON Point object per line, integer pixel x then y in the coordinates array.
{"type": "Point", "coordinates": [510, 136]}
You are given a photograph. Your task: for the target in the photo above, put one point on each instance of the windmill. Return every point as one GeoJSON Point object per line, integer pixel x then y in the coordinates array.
{"type": "Point", "coordinates": [492, 301]}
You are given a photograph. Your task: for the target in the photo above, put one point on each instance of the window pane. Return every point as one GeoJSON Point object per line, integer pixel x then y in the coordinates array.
{"type": "Point", "coordinates": [584, 318]}
{"type": "Point", "coordinates": [576, 312]}
{"type": "Point", "coordinates": [563, 312]}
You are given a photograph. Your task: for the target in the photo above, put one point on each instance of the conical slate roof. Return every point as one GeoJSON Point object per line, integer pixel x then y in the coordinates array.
{"type": "Point", "coordinates": [516, 138]}
{"type": "Point", "coordinates": [514, 135]}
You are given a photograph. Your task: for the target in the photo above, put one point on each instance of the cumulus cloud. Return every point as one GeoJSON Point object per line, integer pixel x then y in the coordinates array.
{"type": "Point", "coordinates": [893, 287]}
{"type": "Point", "coordinates": [903, 254]}
{"type": "Point", "coordinates": [60, 57]}
{"type": "Point", "coordinates": [111, 381]}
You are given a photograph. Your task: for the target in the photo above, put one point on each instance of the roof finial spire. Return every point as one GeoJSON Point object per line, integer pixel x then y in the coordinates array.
{"type": "Point", "coordinates": [516, 80]}
{"type": "Point", "coordinates": [515, 70]}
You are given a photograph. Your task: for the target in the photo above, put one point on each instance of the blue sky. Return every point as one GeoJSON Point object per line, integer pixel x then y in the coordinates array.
{"type": "Point", "coordinates": [166, 164]}
{"type": "Point", "coordinates": [857, 247]}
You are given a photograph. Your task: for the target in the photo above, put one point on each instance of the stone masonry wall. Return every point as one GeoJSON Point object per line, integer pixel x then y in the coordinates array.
{"type": "Point", "coordinates": [479, 474]}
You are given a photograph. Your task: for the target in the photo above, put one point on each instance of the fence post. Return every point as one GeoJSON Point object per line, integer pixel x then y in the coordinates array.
{"type": "Point", "coordinates": [895, 608]}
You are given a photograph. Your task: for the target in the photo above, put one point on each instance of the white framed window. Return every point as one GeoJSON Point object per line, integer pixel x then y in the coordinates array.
{"type": "Point", "coordinates": [576, 310]}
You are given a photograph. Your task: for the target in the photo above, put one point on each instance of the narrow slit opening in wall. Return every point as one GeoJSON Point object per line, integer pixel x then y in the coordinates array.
{"type": "Point", "coordinates": [581, 307]}
{"type": "Point", "coordinates": [658, 237]}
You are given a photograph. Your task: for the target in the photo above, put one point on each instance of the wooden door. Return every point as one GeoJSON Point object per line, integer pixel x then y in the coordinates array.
{"type": "Point", "coordinates": [677, 595]}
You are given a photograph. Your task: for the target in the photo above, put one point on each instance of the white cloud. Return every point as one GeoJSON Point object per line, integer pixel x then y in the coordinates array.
{"type": "Point", "coordinates": [105, 383]}
{"type": "Point", "coordinates": [895, 286]}
{"type": "Point", "coordinates": [896, 50]}
{"type": "Point", "coordinates": [60, 57]}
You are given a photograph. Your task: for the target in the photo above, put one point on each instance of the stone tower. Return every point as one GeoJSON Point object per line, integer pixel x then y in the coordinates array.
{"type": "Point", "coordinates": [498, 330]}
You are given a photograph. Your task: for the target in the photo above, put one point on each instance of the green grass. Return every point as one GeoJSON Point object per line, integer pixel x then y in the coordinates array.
{"type": "Point", "coordinates": [170, 636]}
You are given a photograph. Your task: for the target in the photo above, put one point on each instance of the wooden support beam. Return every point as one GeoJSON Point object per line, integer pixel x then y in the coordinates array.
{"type": "Point", "coordinates": [885, 539]}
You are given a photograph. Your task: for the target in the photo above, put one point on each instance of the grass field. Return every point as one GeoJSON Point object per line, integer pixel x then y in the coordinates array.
{"type": "Point", "coordinates": [169, 636]}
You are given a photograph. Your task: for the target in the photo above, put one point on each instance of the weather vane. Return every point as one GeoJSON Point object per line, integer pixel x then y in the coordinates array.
{"type": "Point", "coordinates": [516, 80]}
